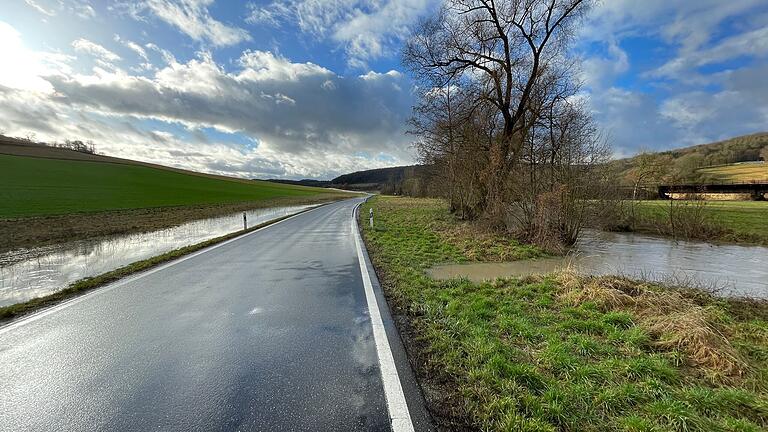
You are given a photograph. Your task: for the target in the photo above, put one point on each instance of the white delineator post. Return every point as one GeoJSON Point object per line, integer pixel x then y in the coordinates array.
{"type": "Point", "coordinates": [370, 212]}
{"type": "Point", "coordinates": [397, 406]}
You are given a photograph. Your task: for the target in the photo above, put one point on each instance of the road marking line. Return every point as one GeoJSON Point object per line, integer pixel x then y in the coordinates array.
{"type": "Point", "coordinates": [393, 390]}
{"type": "Point", "coordinates": [101, 290]}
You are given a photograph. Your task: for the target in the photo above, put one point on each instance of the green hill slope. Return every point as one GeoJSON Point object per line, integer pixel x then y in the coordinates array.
{"type": "Point", "coordinates": [34, 186]}
{"type": "Point", "coordinates": [733, 160]}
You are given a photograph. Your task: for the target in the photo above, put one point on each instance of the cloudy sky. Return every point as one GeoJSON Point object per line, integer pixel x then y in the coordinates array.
{"type": "Point", "coordinates": [314, 88]}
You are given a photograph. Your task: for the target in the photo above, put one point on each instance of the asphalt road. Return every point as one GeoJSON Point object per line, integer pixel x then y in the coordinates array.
{"type": "Point", "coordinates": [270, 332]}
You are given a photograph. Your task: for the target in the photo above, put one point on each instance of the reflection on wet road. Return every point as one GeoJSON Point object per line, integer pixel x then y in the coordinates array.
{"type": "Point", "coordinates": [268, 332]}
{"type": "Point", "coordinates": [29, 273]}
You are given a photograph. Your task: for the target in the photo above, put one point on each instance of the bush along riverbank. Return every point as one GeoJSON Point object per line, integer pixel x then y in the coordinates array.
{"type": "Point", "coordinates": [562, 352]}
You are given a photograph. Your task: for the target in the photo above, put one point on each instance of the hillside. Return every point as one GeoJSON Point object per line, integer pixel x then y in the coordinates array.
{"type": "Point", "coordinates": [385, 180]}
{"type": "Point", "coordinates": [736, 173]}
{"type": "Point", "coordinates": [302, 182]}
{"type": "Point", "coordinates": [734, 160]}
{"type": "Point", "coordinates": [20, 147]}
{"type": "Point", "coordinates": [50, 181]}
{"type": "Point", "coordinates": [738, 159]}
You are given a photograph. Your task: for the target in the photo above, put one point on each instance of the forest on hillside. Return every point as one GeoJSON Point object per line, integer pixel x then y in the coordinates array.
{"type": "Point", "coordinates": [692, 164]}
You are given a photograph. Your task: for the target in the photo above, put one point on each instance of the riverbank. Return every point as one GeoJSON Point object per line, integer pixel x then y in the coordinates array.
{"type": "Point", "coordinates": [738, 222]}
{"type": "Point", "coordinates": [32, 232]}
{"type": "Point", "coordinates": [80, 287]}
{"type": "Point", "coordinates": [562, 352]}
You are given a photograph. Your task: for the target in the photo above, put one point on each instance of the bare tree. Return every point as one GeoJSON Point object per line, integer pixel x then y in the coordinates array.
{"type": "Point", "coordinates": [454, 135]}
{"type": "Point", "coordinates": [649, 168]}
{"type": "Point", "coordinates": [501, 48]}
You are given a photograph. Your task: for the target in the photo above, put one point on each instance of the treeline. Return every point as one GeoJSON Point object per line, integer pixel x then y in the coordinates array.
{"type": "Point", "coordinates": [87, 146]}
{"type": "Point", "coordinates": [637, 176]}
{"type": "Point", "coordinates": [745, 148]}
{"type": "Point", "coordinates": [79, 146]}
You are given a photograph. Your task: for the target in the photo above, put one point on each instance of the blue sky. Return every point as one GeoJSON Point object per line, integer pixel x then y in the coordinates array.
{"type": "Point", "coordinates": [314, 88]}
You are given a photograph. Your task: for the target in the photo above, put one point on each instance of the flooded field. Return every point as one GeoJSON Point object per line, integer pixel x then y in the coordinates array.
{"type": "Point", "coordinates": [29, 273]}
{"type": "Point", "coordinates": [732, 270]}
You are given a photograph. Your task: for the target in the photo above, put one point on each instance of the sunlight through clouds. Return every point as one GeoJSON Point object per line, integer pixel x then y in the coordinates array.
{"type": "Point", "coordinates": [319, 85]}
{"type": "Point", "coordinates": [27, 66]}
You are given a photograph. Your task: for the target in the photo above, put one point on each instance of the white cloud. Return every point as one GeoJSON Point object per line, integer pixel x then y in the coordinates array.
{"type": "Point", "coordinates": [751, 43]}
{"type": "Point", "coordinates": [94, 49]}
{"type": "Point", "coordinates": [79, 8]}
{"type": "Point", "coordinates": [690, 105]}
{"type": "Point", "coordinates": [271, 15]}
{"type": "Point", "coordinates": [41, 9]}
{"type": "Point", "coordinates": [741, 104]}
{"type": "Point", "coordinates": [688, 22]}
{"type": "Point", "coordinates": [83, 10]}
{"type": "Point", "coordinates": [261, 64]}
{"type": "Point", "coordinates": [192, 18]}
{"type": "Point", "coordinates": [599, 72]}
{"type": "Point", "coordinates": [307, 121]}
{"type": "Point", "coordinates": [133, 46]}
{"type": "Point", "coordinates": [369, 35]}
{"type": "Point", "coordinates": [367, 29]}
{"type": "Point", "coordinates": [167, 56]}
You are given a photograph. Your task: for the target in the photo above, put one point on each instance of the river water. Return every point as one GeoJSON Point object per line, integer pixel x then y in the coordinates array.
{"type": "Point", "coordinates": [728, 270]}
{"type": "Point", "coordinates": [29, 273]}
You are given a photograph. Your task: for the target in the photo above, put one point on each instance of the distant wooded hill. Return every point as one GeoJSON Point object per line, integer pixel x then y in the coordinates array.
{"type": "Point", "coordinates": [738, 159]}
{"type": "Point", "coordinates": [394, 180]}
{"type": "Point", "coordinates": [734, 160]}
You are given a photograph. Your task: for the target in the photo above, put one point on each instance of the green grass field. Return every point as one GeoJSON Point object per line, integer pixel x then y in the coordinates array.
{"type": "Point", "coordinates": [739, 172]}
{"type": "Point", "coordinates": [743, 220]}
{"type": "Point", "coordinates": [564, 353]}
{"type": "Point", "coordinates": [39, 186]}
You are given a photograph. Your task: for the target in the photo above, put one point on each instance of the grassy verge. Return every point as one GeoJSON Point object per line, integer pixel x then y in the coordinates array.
{"type": "Point", "coordinates": [87, 284]}
{"type": "Point", "coordinates": [737, 221]}
{"type": "Point", "coordinates": [563, 353]}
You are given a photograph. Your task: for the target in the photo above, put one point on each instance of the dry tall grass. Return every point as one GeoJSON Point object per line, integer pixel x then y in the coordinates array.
{"type": "Point", "coordinates": [671, 318]}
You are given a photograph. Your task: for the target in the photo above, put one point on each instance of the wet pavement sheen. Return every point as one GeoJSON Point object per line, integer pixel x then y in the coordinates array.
{"type": "Point", "coordinates": [29, 273]}
{"type": "Point", "coordinates": [269, 332]}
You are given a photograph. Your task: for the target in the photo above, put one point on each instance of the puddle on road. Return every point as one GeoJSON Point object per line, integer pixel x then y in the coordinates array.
{"type": "Point", "coordinates": [734, 270]}
{"type": "Point", "coordinates": [29, 273]}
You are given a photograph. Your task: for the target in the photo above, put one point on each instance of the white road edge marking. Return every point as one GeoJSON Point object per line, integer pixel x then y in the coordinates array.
{"type": "Point", "coordinates": [396, 404]}
{"type": "Point", "coordinates": [45, 312]}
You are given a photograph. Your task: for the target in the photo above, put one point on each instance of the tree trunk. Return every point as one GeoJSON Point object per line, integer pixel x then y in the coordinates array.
{"type": "Point", "coordinates": [497, 182]}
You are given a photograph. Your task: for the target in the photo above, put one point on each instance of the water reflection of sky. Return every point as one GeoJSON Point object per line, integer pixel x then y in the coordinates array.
{"type": "Point", "coordinates": [730, 270]}
{"type": "Point", "coordinates": [733, 270]}
{"type": "Point", "coordinates": [30, 273]}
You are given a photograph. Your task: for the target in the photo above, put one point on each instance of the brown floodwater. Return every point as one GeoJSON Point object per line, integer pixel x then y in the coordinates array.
{"type": "Point", "coordinates": [729, 270]}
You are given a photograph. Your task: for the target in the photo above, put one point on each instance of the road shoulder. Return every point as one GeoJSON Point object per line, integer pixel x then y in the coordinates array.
{"type": "Point", "coordinates": [416, 406]}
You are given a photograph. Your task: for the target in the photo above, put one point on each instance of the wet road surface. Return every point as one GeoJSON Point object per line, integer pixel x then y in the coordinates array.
{"type": "Point", "coordinates": [267, 332]}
